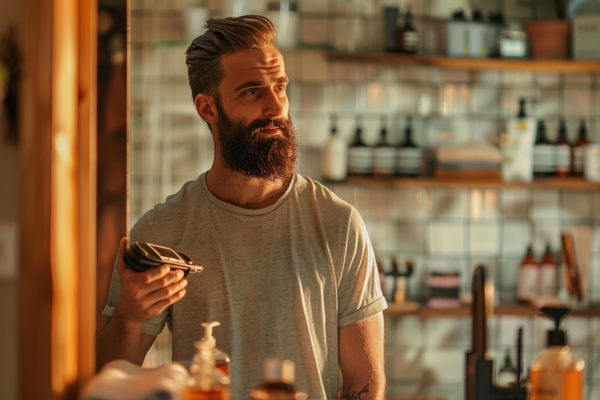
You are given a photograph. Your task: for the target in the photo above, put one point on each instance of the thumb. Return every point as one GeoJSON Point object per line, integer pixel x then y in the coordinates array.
{"type": "Point", "coordinates": [121, 266]}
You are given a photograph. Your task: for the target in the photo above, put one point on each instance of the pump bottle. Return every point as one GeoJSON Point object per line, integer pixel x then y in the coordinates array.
{"type": "Point", "coordinates": [556, 374]}
{"type": "Point", "coordinates": [208, 381]}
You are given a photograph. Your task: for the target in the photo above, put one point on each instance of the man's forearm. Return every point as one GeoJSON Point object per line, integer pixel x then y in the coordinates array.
{"type": "Point", "coordinates": [120, 340]}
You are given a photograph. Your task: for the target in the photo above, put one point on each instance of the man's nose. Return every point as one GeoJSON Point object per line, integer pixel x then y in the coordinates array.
{"type": "Point", "coordinates": [274, 104]}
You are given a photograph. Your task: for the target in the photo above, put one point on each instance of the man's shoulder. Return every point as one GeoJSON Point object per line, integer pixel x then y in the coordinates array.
{"type": "Point", "coordinates": [323, 198]}
{"type": "Point", "coordinates": [180, 205]}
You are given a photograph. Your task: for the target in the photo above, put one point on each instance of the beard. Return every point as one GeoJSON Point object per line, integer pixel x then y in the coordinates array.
{"type": "Point", "coordinates": [242, 150]}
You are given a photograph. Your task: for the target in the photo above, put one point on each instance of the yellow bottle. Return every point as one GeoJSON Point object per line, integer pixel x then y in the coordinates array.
{"type": "Point", "coordinates": [556, 374]}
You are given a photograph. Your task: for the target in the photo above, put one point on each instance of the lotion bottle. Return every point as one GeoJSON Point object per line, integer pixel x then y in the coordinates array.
{"type": "Point", "coordinates": [279, 382]}
{"type": "Point", "coordinates": [527, 286]}
{"type": "Point", "coordinates": [335, 156]}
{"type": "Point", "coordinates": [556, 374]}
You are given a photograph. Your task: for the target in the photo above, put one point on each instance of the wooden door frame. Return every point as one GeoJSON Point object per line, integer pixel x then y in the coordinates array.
{"type": "Point", "coordinates": [57, 216]}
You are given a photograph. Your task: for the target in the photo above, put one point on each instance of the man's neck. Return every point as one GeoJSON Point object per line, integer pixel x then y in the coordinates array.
{"type": "Point", "coordinates": [244, 191]}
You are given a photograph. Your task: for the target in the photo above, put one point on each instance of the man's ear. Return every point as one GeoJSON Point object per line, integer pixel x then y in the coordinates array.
{"type": "Point", "coordinates": [206, 108]}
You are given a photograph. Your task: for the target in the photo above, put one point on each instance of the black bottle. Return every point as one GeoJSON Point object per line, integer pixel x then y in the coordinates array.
{"type": "Point", "coordinates": [360, 156]}
{"type": "Point", "coordinates": [384, 154]}
{"type": "Point", "coordinates": [563, 151]}
{"type": "Point", "coordinates": [408, 37]}
{"type": "Point", "coordinates": [409, 154]}
{"type": "Point", "coordinates": [543, 153]}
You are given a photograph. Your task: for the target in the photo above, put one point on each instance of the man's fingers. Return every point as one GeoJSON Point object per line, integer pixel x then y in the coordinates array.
{"type": "Point", "coordinates": [121, 266]}
{"type": "Point", "coordinates": [150, 276]}
{"type": "Point", "coordinates": [165, 292]}
{"type": "Point", "coordinates": [160, 306]}
{"type": "Point", "coordinates": [164, 281]}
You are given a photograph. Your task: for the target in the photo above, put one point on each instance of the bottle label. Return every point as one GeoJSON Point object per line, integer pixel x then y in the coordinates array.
{"type": "Point", "coordinates": [563, 157]}
{"type": "Point", "coordinates": [548, 387]}
{"type": "Point", "coordinates": [548, 280]}
{"type": "Point", "coordinates": [409, 161]}
{"type": "Point", "coordinates": [360, 160]}
{"type": "Point", "coordinates": [410, 40]}
{"type": "Point", "coordinates": [543, 158]}
{"type": "Point", "coordinates": [384, 160]}
{"type": "Point", "coordinates": [578, 159]}
{"type": "Point", "coordinates": [528, 282]}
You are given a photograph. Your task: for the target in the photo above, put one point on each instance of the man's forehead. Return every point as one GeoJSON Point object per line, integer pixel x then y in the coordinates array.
{"type": "Point", "coordinates": [242, 65]}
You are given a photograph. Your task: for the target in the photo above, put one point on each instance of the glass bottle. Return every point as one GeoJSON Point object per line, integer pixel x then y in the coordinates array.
{"type": "Point", "coordinates": [548, 278]}
{"type": "Point", "coordinates": [384, 154]}
{"type": "Point", "coordinates": [409, 154]}
{"type": "Point", "coordinates": [507, 375]}
{"type": "Point", "coordinates": [279, 382]}
{"type": "Point", "coordinates": [563, 151]}
{"type": "Point", "coordinates": [579, 149]}
{"type": "Point", "coordinates": [543, 153]}
{"type": "Point", "coordinates": [360, 156]}
{"type": "Point", "coordinates": [408, 37]}
{"type": "Point", "coordinates": [527, 284]}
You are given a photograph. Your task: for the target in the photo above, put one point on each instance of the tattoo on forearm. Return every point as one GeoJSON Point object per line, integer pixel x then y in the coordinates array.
{"type": "Point", "coordinates": [356, 395]}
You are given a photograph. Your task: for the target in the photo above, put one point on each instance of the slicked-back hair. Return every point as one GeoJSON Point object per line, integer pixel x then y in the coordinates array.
{"type": "Point", "coordinates": [226, 35]}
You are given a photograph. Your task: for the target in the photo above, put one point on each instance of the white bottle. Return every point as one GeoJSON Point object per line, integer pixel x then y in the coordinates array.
{"type": "Point", "coordinates": [517, 149]}
{"type": "Point", "coordinates": [335, 157]}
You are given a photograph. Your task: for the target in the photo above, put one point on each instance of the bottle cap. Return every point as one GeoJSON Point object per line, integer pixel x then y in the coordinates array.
{"type": "Point", "coordinates": [556, 337]}
{"type": "Point", "coordinates": [208, 339]}
{"type": "Point", "coordinates": [280, 371]}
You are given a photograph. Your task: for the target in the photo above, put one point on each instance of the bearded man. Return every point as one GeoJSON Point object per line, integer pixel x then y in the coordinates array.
{"type": "Point", "coordinates": [289, 270]}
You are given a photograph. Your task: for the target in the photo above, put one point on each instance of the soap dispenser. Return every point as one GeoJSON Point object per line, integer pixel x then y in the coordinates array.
{"type": "Point", "coordinates": [207, 380]}
{"type": "Point", "coordinates": [556, 374]}
{"type": "Point", "coordinates": [221, 359]}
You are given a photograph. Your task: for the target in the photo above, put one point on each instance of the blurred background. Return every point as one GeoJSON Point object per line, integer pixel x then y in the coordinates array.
{"type": "Point", "coordinates": [449, 74]}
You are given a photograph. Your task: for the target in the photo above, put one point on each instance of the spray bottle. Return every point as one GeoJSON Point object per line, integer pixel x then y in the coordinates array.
{"type": "Point", "coordinates": [207, 380]}
{"type": "Point", "coordinates": [556, 374]}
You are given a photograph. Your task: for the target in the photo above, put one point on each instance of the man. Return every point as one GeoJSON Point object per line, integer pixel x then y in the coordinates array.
{"type": "Point", "coordinates": [289, 270]}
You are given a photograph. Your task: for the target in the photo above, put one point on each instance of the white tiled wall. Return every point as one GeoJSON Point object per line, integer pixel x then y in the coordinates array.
{"type": "Point", "coordinates": [439, 229]}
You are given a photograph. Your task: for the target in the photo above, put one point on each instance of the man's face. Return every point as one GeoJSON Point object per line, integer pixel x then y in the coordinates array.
{"type": "Point", "coordinates": [254, 128]}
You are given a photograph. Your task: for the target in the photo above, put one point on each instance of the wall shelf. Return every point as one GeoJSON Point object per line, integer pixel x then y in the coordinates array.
{"type": "Point", "coordinates": [563, 66]}
{"type": "Point", "coordinates": [465, 311]}
{"type": "Point", "coordinates": [387, 181]}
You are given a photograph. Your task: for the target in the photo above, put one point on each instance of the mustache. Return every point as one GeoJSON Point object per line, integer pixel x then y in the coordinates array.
{"type": "Point", "coordinates": [258, 125]}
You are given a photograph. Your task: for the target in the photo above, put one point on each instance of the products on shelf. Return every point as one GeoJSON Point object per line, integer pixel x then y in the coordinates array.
{"type": "Point", "coordinates": [457, 35]}
{"type": "Point", "coordinates": [384, 154]}
{"type": "Point", "coordinates": [408, 37]}
{"type": "Point", "coordinates": [543, 153]}
{"type": "Point", "coordinates": [527, 284]}
{"type": "Point", "coordinates": [556, 374]}
{"type": "Point", "coordinates": [468, 161]}
{"type": "Point", "coordinates": [548, 279]}
{"type": "Point", "coordinates": [335, 156]}
{"type": "Point", "coordinates": [479, 35]}
{"type": "Point", "coordinates": [444, 290]}
{"type": "Point", "coordinates": [360, 156]}
{"type": "Point", "coordinates": [410, 156]}
{"type": "Point", "coordinates": [591, 162]}
{"type": "Point", "coordinates": [390, 15]}
{"type": "Point", "coordinates": [280, 376]}
{"type": "Point", "coordinates": [474, 38]}
{"type": "Point", "coordinates": [579, 149]}
{"type": "Point", "coordinates": [517, 147]}
{"type": "Point", "coordinates": [513, 41]}
{"type": "Point", "coordinates": [562, 151]}
{"type": "Point", "coordinates": [285, 17]}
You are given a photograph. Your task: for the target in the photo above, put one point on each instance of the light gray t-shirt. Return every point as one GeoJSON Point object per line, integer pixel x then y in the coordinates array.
{"type": "Point", "coordinates": [281, 280]}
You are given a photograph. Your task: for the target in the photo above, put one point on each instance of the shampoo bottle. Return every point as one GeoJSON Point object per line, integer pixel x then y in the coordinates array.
{"type": "Point", "coordinates": [527, 285]}
{"type": "Point", "coordinates": [548, 274]}
{"type": "Point", "coordinates": [556, 374]}
{"type": "Point", "coordinates": [279, 382]}
{"type": "Point", "coordinates": [517, 148]}
{"type": "Point", "coordinates": [335, 156]}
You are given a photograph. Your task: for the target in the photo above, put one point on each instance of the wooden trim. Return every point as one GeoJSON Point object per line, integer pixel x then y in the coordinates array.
{"type": "Point", "coordinates": [57, 197]}
{"type": "Point", "coordinates": [563, 66]}
{"type": "Point", "coordinates": [88, 96]}
{"type": "Point", "coordinates": [395, 310]}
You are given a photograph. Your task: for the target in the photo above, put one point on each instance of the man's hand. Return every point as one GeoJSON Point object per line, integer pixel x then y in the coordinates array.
{"type": "Point", "coordinates": [361, 359]}
{"type": "Point", "coordinates": [144, 295]}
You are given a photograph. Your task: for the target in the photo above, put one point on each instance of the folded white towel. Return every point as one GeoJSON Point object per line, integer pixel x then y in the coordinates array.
{"type": "Point", "coordinates": [469, 153]}
{"type": "Point", "coordinates": [122, 380]}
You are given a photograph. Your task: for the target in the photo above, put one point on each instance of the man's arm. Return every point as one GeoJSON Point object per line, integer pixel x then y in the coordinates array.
{"type": "Point", "coordinates": [361, 359]}
{"type": "Point", "coordinates": [144, 295]}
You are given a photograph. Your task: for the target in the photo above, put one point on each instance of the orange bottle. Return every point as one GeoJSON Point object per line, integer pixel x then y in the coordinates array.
{"type": "Point", "coordinates": [527, 285]}
{"type": "Point", "coordinates": [556, 374]}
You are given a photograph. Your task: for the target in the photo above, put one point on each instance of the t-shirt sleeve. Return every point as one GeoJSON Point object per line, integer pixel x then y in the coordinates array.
{"type": "Point", "coordinates": [359, 290]}
{"type": "Point", "coordinates": [141, 232]}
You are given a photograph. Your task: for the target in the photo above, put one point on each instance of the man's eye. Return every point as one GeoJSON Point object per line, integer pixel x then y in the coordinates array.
{"type": "Point", "coordinates": [252, 91]}
{"type": "Point", "coordinates": [281, 88]}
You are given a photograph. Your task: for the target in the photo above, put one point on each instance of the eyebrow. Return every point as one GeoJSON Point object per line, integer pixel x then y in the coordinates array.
{"type": "Point", "coordinates": [281, 79]}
